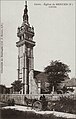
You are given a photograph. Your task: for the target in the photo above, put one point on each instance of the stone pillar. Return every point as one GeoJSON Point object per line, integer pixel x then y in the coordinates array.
{"type": "Point", "coordinates": [18, 66]}
{"type": "Point", "coordinates": [27, 74]}
{"type": "Point", "coordinates": [31, 73]}
{"type": "Point", "coordinates": [32, 59]}
{"type": "Point", "coordinates": [23, 73]}
{"type": "Point", "coordinates": [52, 90]}
{"type": "Point", "coordinates": [24, 70]}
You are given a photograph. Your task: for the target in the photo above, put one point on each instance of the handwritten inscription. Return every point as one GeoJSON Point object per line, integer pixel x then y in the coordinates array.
{"type": "Point", "coordinates": [1, 38]}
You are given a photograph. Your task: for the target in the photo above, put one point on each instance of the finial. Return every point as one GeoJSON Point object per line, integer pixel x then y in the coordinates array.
{"type": "Point", "coordinates": [25, 3]}
{"type": "Point", "coordinates": [25, 15]}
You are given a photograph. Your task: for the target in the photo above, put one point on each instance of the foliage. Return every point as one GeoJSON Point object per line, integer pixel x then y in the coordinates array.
{"type": "Point", "coordinates": [70, 89]}
{"type": "Point", "coordinates": [57, 72]}
{"type": "Point", "coordinates": [66, 104]}
{"type": "Point", "coordinates": [11, 102]}
{"type": "Point", "coordinates": [17, 85]}
{"type": "Point", "coordinates": [44, 102]}
{"type": "Point", "coordinates": [65, 89]}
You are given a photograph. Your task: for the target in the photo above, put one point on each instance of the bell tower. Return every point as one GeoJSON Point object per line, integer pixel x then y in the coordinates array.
{"type": "Point", "coordinates": [25, 45]}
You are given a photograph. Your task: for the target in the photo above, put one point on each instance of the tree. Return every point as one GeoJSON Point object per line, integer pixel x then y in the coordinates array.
{"type": "Point", "coordinates": [56, 73]}
{"type": "Point", "coordinates": [17, 85]}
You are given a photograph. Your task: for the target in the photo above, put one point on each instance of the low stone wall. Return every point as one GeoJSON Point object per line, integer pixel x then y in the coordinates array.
{"type": "Point", "coordinates": [19, 98]}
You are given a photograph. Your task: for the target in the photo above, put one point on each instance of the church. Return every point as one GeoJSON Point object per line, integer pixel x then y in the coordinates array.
{"type": "Point", "coordinates": [34, 82]}
{"type": "Point", "coordinates": [25, 45]}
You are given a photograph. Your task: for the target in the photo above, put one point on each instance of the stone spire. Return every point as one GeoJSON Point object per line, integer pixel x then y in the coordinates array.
{"type": "Point", "coordinates": [25, 15]}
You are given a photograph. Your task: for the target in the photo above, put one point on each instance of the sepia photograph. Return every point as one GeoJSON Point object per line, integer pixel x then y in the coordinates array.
{"type": "Point", "coordinates": [37, 59]}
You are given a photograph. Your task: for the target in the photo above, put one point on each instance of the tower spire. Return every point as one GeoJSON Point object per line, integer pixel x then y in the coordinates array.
{"type": "Point", "coordinates": [25, 15]}
{"type": "Point", "coordinates": [25, 55]}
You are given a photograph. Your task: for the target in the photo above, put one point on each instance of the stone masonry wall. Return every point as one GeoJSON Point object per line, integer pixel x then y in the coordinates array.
{"type": "Point", "coordinates": [19, 98]}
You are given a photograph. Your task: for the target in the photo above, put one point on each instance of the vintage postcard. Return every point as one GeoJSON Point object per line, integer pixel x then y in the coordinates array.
{"type": "Point", "coordinates": [37, 59]}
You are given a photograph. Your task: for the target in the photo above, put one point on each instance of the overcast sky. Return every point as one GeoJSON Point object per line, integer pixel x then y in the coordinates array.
{"type": "Point", "coordinates": [54, 34]}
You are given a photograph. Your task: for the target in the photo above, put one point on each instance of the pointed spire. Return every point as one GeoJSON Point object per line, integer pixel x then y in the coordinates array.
{"type": "Point", "coordinates": [25, 3]}
{"type": "Point", "coordinates": [25, 15]}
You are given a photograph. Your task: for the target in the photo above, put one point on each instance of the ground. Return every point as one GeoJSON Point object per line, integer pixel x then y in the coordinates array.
{"type": "Point", "coordinates": [29, 109]}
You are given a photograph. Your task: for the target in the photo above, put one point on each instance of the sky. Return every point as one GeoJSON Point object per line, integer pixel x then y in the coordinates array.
{"type": "Point", "coordinates": [54, 25]}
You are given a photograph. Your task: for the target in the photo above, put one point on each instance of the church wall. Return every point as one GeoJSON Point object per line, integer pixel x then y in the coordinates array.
{"type": "Point", "coordinates": [33, 89]}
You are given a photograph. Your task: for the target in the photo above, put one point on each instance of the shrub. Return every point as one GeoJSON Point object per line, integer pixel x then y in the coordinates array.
{"type": "Point", "coordinates": [11, 102]}
{"type": "Point", "coordinates": [66, 105]}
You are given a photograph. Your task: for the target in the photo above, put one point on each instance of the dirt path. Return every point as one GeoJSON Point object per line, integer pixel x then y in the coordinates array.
{"type": "Point", "coordinates": [58, 114]}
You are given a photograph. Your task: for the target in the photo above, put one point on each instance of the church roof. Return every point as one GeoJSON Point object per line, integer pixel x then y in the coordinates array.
{"type": "Point", "coordinates": [36, 72]}
{"type": "Point", "coordinates": [42, 77]}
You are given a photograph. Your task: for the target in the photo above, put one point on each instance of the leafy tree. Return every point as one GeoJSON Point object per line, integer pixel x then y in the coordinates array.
{"type": "Point", "coordinates": [57, 72]}
{"type": "Point", "coordinates": [17, 85]}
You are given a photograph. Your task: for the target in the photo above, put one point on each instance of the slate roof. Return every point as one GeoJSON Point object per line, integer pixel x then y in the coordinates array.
{"type": "Point", "coordinates": [36, 73]}
{"type": "Point", "coordinates": [42, 77]}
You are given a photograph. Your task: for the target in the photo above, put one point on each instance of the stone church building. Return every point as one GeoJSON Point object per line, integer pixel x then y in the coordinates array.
{"type": "Point", "coordinates": [25, 46]}
{"type": "Point", "coordinates": [34, 82]}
